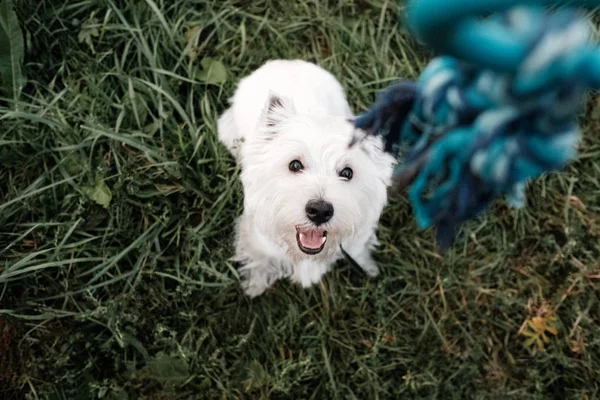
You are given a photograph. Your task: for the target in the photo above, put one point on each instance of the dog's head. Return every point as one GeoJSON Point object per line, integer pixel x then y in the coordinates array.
{"type": "Point", "coordinates": [306, 188]}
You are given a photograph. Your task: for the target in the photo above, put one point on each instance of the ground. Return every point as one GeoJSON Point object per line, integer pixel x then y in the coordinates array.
{"type": "Point", "coordinates": [117, 207]}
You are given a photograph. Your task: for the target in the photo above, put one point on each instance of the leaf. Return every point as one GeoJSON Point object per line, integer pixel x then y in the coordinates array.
{"type": "Point", "coordinates": [552, 330]}
{"type": "Point", "coordinates": [257, 376]}
{"type": "Point", "coordinates": [168, 369]}
{"type": "Point", "coordinates": [100, 193]}
{"type": "Point", "coordinates": [538, 326]}
{"type": "Point", "coordinates": [74, 164]}
{"type": "Point", "coordinates": [129, 339]}
{"type": "Point", "coordinates": [191, 41]}
{"type": "Point", "coordinates": [213, 72]}
{"type": "Point", "coordinates": [12, 52]}
{"type": "Point", "coordinates": [88, 30]}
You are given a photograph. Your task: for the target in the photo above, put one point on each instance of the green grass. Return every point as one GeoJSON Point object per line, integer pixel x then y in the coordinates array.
{"type": "Point", "coordinates": [138, 299]}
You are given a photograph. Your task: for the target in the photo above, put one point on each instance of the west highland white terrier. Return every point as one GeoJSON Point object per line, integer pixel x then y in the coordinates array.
{"type": "Point", "coordinates": [307, 195]}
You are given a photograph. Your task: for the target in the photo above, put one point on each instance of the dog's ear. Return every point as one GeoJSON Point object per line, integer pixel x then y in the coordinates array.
{"type": "Point", "coordinates": [277, 110]}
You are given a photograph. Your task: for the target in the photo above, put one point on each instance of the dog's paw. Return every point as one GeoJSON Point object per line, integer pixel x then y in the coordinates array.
{"type": "Point", "coordinates": [371, 269]}
{"type": "Point", "coordinates": [254, 289]}
{"type": "Point", "coordinates": [369, 265]}
{"type": "Point", "coordinates": [254, 281]}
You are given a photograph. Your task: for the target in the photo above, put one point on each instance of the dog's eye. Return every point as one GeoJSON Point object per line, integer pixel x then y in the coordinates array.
{"type": "Point", "coordinates": [296, 166]}
{"type": "Point", "coordinates": [346, 173]}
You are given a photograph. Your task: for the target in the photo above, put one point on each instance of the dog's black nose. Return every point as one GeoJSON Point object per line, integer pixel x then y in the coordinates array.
{"type": "Point", "coordinates": [319, 211]}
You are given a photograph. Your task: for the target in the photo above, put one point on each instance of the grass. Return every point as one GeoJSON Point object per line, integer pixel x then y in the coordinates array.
{"type": "Point", "coordinates": [118, 204]}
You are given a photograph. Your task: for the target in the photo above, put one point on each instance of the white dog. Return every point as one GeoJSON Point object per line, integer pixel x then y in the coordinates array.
{"type": "Point", "coordinates": [306, 194]}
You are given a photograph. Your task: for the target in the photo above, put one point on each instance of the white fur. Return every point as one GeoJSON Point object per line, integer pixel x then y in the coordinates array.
{"type": "Point", "coordinates": [287, 110]}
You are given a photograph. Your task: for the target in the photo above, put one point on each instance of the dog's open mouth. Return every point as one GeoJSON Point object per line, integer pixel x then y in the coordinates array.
{"type": "Point", "coordinates": [311, 240]}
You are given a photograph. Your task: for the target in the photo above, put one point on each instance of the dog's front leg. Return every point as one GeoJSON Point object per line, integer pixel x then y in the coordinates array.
{"type": "Point", "coordinates": [259, 275]}
{"type": "Point", "coordinates": [360, 253]}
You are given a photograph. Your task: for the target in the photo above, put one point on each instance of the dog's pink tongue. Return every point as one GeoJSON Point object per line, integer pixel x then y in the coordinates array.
{"type": "Point", "coordinates": [312, 239]}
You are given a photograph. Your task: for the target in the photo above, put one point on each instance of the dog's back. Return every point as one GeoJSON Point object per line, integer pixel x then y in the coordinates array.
{"type": "Point", "coordinates": [310, 89]}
